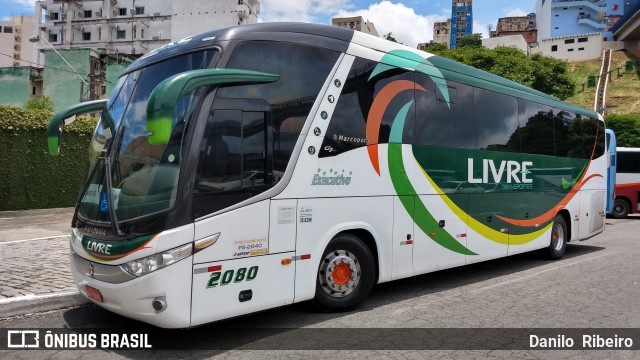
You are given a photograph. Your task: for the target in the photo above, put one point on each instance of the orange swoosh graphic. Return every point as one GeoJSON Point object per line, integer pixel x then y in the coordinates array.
{"type": "Point", "coordinates": [376, 111]}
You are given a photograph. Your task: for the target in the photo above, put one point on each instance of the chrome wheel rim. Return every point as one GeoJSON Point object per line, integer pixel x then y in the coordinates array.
{"type": "Point", "coordinates": [557, 237]}
{"type": "Point", "coordinates": [339, 273]}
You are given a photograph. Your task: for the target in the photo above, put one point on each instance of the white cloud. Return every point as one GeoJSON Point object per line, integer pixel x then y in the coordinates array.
{"type": "Point", "coordinates": [482, 28]}
{"type": "Point", "coordinates": [406, 26]}
{"type": "Point", "coordinates": [299, 10]}
{"type": "Point", "coordinates": [516, 12]}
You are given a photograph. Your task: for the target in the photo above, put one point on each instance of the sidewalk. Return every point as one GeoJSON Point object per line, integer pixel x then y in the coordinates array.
{"type": "Point", "coordinates": [34, 262]}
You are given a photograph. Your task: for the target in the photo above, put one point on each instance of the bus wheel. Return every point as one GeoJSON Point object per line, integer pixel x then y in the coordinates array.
{"type": "Point", "coordinates": [345, 275]}
{"type": "Point", "coordinates": [621, 209]}
{"type": "Point", "coordinates": [559, 239]}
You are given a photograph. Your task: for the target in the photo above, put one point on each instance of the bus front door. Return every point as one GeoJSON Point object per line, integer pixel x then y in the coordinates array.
{"type": "Point", "coordinates": [241, 268]}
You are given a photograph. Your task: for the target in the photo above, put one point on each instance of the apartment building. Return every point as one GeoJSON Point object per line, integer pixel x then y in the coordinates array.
{"type": "Point", "coordinates": [135, 26]}
{"type": "Point", "coordinates": [15, 47]}
{"type": "Point", "coordinates": [356, 23]}
{"type": "Point", "coordinates": [461, 20]}
{"type": "Point", "coordinates": [442, 32]}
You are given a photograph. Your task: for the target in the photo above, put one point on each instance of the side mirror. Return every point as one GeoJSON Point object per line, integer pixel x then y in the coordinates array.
{"type": "Point", "coordinates": [165, 96]}
{"type": "Point", "coordinates": [66, 117]}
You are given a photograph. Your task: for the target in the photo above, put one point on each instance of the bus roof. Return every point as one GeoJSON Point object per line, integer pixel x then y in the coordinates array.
{"type": "Point", "coordinates": [339, 39]}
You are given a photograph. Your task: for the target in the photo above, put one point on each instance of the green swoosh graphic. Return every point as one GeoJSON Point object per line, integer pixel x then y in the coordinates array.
{"type": "Point", "coordinates": [402, 185]}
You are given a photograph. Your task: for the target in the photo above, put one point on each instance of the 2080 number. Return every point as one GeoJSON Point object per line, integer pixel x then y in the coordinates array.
{"type": "Point", "coordinates": [229, 276]}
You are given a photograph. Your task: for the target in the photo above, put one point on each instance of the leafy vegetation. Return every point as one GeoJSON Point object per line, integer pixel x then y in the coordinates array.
{"type": "Point", "coordinates": [473, 41]}
{"type": "Point", "coordinates": [540, 72]}
{"type": "Point", "coordinates": [626, 128]}
{"type": "Point", "coordinates": [40, 102]}
{"type": "Point", "coordinates": [31, 178]}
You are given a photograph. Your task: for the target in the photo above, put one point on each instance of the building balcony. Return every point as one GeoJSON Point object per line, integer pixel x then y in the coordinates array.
{"type": "Point", "coordinates": [35, 74]}
{"type": "Point", "coordinates": [593, 24]}
{"type": "Point", "coordinates": [591, 4]}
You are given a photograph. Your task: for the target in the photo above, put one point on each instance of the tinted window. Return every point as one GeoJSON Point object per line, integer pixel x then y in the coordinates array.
{"type": "Point", "coordinates": [444, 123]}
{"type": "Point", "coordinates": [628, 162]}
{"type": "Point", "coordinates": [347, 129]}
{"type": "Point", "coordinates": [536, 133]}
{"type": "Point", "coordinates": [568, 136]}
{"type": "Point", "coordinates": [232, 165]}
{"type": "Point", "coordinates": [593, 137]}
{"type": "Point", "coordinates": [302, 69]}
{"type": "Point", "coordinates": [497, 118]}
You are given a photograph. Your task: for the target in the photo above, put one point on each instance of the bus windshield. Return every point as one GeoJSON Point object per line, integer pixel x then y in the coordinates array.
{"type": "Point", "coordinates": [144, 176]}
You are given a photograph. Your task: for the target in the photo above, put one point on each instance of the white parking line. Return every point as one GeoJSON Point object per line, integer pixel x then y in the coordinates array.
{"type": "Point", "coordinates": [526, 277]}
{"type": "Point", "coordinates": [42, 238]}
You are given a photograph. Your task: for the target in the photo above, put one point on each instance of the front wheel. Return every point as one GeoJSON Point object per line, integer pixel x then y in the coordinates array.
{"type": "Point", "coordinates": [559, 239]}
{"type": "Point", "coordinates": [345, 275]}
{"type": "Point", "coordinates": [621, 209]}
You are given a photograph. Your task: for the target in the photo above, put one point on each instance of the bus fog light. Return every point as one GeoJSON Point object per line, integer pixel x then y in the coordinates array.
{"type": "Point", "coordinates": [154, 262]}
{"type": "Point", "coordinates": [159, 304]}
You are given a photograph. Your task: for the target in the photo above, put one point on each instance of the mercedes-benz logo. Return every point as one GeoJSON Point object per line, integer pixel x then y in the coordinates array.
{"type": "Point", "coordinates": [91, 270]}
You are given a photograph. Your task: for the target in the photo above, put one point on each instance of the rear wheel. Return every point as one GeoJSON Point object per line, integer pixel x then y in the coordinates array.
{"type": "Point", "coordinates": [346, 274]}
{"type": "Point", "coordinates": [621, 209]}
{"type": "Point", "coordinates": [559, 238]}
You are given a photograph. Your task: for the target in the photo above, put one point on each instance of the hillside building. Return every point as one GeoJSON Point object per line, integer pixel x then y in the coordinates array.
{"type": "Point", "coordinates": [15, 47]}
{"type": "Point", "coordinates": [461, 20]}
{"type": "Point", "coordinates": [356, 23]}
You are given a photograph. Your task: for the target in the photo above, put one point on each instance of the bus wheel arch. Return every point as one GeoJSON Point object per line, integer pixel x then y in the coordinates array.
{"type": "Point", "coordinates": [346, 272]}
{"type": "Point", "coordinates": [621, 207]}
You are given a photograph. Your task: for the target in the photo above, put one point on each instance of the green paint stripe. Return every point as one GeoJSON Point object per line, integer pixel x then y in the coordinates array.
{"type": "Point", "coordinates": [421, 216]}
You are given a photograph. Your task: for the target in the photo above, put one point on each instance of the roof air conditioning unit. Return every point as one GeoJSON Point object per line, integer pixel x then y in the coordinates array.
{"type": "Point", "coordinates": [80, 14]}
{"type": "Point", "coordinates": [98, 13]}
{"type": "Point", "coordinates": [115, 12]}
{"type": "Point", "coordinates": [155, 38]}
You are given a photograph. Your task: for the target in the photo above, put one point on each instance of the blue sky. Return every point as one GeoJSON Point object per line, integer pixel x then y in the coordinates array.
{"type": "Point", "coordinates": [411, 21]}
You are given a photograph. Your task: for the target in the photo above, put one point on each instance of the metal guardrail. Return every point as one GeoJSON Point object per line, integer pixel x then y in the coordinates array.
{"type": "Point", "coordinates": [601, 91]}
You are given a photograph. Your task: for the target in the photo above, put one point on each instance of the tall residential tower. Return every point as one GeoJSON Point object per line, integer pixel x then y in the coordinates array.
{"type": "Point", "coordinates": [461, 20]}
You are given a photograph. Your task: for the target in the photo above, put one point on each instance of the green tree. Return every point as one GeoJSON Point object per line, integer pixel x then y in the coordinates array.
{"type": "Point", "coordinates": [512, 64]}
{"type": "Point", "coordinates": [436, 48]}
{"type": "Point", "coordinates": [39, 102]}
{"type": "Point", "coordinates": [390, 37]}
{"type": "Point", "coordinates": [551, 76]}
{"type": "Point", "coordinates": [626, 128]}
{"type": "Point", "coordinates": [471, 41]}
{"type": "Point", "coordinates": [540, 72]}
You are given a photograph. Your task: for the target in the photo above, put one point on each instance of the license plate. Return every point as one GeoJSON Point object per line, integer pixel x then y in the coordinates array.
{"type": "Point", "coordinates": [93, 293]}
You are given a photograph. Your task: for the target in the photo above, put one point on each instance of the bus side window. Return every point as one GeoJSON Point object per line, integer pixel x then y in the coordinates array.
{"type": "Point", "coordinates": [348, 127]}
{"type": "Point", "coordinates": [442, 123]}
{"type": "Point", "coordinates": [497, 119]}
{"type": "Point", "coordinates": [536, 128]}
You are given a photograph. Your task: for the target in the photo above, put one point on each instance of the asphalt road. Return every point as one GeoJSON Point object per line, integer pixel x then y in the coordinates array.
{"type": "Point", "coordinates": [596, 285]}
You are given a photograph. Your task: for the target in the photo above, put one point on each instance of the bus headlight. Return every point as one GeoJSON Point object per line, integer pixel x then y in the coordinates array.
{"type": "Point", "coordinates": [154, 262]}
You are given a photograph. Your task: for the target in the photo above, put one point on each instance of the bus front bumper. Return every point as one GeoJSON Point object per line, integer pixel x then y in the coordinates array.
{"type": "Point", "coordinates": [134, 297]}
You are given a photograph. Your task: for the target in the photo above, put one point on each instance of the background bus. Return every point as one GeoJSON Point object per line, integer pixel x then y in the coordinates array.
{"type": "Point", "coordinates": [627, 182]}
{"type": "Point", "coordinates": [611, 169]}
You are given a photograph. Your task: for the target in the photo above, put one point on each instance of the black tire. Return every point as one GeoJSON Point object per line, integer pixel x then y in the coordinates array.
{"type": "Point", "coordinates": [346, 258]}
{"type": "Point", "coordinates": [621, 209]}
{"type": "Point", "coordinates": [559, 238]}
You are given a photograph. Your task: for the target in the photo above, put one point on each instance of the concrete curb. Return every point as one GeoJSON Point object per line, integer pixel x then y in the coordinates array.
{"type": "Point", "coordinates": [34, 303]}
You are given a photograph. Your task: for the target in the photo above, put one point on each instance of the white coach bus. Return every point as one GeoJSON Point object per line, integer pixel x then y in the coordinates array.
{"type": "Point", "coordinates": [257, 166]}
